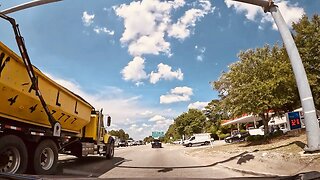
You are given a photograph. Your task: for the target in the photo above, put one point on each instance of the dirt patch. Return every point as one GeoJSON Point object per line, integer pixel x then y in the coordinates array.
{"type": "Point", "coordinates": [282, 155]}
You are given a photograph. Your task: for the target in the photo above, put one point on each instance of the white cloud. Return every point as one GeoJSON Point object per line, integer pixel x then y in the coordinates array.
{"type": "Point", "coordinates": [197, 105]}
{"type": "Point", "coordinates": [177, 94]}
{"type": "Point", "coordinates": [146, 113]}
{"type": "Point", "coordinates": [157, 118]}
{"type": "Point", "coordinates": [165, 72]}
{"type": "Point", "coordinates": [122, 107]}
{"type": "Point", "coordinates": [181, 29]}
{"type": "Point", "coordinates": [87, 19]}
{"type": "Point", "coordinates": [146, 125]}
{"type": "Point", "coordinates": [201, 52]}
{"type": "Point", "coordinates": [147, 23]}
{"type": "Point", "coordinates": [134, 71]}
{"type": "Point", "coordinates": [105, 30]}
{"type": "Point", "coordinates": [291, 12]}
{"type": "Point", "coordinates": [135, 128]}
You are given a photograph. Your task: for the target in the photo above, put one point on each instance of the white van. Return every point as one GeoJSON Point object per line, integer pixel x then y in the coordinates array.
{"type": "Point", "coordinates": [198, 139]}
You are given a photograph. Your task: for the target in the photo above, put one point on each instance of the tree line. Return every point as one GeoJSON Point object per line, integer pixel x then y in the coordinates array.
{"type": "Point", "coordinates": [259, 82]}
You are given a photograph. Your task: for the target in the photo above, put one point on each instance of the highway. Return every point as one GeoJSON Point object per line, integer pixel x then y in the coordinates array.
{"type": "Point", "coordinates": [171, 161]}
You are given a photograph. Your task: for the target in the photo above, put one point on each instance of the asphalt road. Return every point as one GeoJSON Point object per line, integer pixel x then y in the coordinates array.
{"type": "Point", "coordinates": [144, 162]}
{"type": "Point", "coordinates": [168, 162]}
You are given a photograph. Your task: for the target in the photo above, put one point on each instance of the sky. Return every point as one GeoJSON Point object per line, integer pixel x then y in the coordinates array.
{"type": "Point", "coordinates": [144, 62]}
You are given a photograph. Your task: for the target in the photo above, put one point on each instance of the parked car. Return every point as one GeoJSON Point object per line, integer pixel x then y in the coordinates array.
{"type": "Point", "coordinates": [156, 143]}
{"type": "Point", "coordinates": [237, 137]}
{"type": "Point", "coordinates": [123, 143]}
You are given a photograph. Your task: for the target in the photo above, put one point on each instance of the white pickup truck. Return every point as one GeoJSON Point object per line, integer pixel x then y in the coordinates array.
{"type": "Point", "coordinates": [198, 139]}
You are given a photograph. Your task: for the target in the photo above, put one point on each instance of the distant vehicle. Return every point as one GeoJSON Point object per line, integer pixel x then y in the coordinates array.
{"type": "Point", "coordinates": [198, 139]}
{"type": "Point", "coordinates": [156, 143]}
{"type": "Point", "coordinates": [137, 143]}
{"type": "Point", "coordinates": [258, 131]}
{"type": "Point", "coordinates": [236, 137]}
{"type": "Point", "coordinates": [179, 141]}
{"type": "Point", "coordinates": [123, 143]}
{"type": "Point", "coordinates": [130, 142]}
{"type": "Point", "coordinates": [116, 141]}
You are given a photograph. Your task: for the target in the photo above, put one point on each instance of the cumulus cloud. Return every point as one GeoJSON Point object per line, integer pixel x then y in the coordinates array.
{"type": "Point", "coordinates": [146, 113]}
{"type": "Point", "coordinates": [181, 29]}
{"type": "Point", "coordinates": [145, 24]}
{"type": "Point", "coordinates": [100, 30]}
{"type": "Point", "coordinates": [157, 118]}
{"type": "Point", "coordinates": [87, 19]}
{"type": "Point", "coordinates": [134, 71]}
{"type": "Point", "coordinates": [148, 24]}
{"type": "Point", "coordinates": [123, 108]}
{"type": "Point", "coordinates": [291, 12]}
{"type": "Point", "coordinates": [198, 105]}
{"type": "Point", "coordinates": [165, 72]}
{"type": "Point", "coordinates": [178, 94]}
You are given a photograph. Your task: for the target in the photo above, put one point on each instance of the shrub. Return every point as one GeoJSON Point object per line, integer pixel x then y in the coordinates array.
{"type": "Point", "coordinates": [255, 138]}
{"type": "Point", "coordinates": [222, 136]}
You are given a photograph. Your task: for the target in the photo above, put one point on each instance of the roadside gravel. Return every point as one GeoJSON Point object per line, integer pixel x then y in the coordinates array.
{"type": "Point", "coordinates": [281, 156]}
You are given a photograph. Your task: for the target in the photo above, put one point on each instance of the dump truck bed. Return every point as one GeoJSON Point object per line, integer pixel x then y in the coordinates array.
{"type": "Point", "coordinates": [19, 102]}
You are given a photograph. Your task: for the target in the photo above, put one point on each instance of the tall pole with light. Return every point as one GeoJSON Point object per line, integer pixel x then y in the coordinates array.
{"type": "Point", "coordinates": [311, 122]}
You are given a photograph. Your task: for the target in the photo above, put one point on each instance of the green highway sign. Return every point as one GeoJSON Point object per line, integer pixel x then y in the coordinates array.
{"type": "Point", "coordinates": [157, 134]}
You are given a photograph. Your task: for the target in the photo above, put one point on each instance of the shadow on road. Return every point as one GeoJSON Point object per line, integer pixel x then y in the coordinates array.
{"type": "Point", "coordinates": [91, 166]}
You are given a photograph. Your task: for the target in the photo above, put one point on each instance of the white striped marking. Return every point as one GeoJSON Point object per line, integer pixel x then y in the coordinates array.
{"type": "Point", "coordinates": [313, 111]}
{"type": "Point", "coordinates": [307, 98]}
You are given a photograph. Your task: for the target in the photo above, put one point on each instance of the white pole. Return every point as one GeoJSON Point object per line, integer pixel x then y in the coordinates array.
{"type": "Point", "coordinates": [306, 98]}
{"type": "Point", "coordinates": [312, 125]}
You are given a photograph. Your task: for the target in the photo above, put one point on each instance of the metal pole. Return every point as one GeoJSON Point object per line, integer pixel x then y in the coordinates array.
{"type": "Point", "coordinates": [27, 5]}
{"type": "Point", "coordinates": [306, 98]}
{"type": "Point", "coordinates": [311, 122]}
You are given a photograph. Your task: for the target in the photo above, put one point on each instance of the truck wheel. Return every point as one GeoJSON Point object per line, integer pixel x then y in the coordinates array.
{"type": "Point", "coordinates": [13, 155]}
{"type": "Point", "coordinates": [45, 157]}
{"type": "Point", "coordinates": [110, 152]}
{"type": "Point", "coordinates": [207, 143]}
{"type": "Point", "coordinates": [189, 145]}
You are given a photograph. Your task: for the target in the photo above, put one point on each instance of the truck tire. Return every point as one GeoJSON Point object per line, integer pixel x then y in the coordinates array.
{"type": "Point", "coordinates": [45, 157]}
{"type": "Point", "coordinates": [13, 155]}
{"type": "Point", "coordinates": [110, 153]}
{"type": "Point", "coordinates": [207, 143]}
{"type": "Point", "coordinates": [189, 145]}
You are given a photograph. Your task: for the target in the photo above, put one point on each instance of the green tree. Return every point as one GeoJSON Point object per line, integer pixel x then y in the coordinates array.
{"type": "Point", "coordinates": [120, 133]}
{"type": "Point", "coordinates": [148, 139]}
{"type": "Point", "coordinates": [260, 81]}
{"type": "Point", "coordinates": [190, 122]}
{"type": "Point", "coordinates": [307, 38]}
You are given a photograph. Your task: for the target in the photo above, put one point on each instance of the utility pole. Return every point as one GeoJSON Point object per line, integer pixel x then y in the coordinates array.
{"type": "Point", "coordinates": [306, 98]}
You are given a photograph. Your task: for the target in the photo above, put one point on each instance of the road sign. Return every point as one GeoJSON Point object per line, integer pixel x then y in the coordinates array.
{"type": "Point", "coordinates": [294, 120]}
{"type": "Point", "coordinates": [157, 134]}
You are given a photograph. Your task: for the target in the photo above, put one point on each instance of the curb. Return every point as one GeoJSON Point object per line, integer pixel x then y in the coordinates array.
{"type": "Point", "coordinates": [249, 171]}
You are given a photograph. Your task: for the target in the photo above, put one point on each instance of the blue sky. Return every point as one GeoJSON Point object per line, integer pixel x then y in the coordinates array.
{"type": "Point", "coordinates": [145, 62]}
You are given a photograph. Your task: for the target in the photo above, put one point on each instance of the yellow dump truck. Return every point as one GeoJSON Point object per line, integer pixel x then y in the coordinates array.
{"type": "Point", "coordinates": [40, 118]}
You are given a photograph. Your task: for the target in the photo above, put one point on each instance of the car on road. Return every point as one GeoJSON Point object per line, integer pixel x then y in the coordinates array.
{"type": "Point", "coordinates": [198, 139]}
{"type": "Point", "coordinates": [156, 143]}
{"type": "Point", "coordinates": [237, 137]}
{"type": "Point", "coordinates": [123, 143]}
{"type": "Point", "coordinates": [130, 142]}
